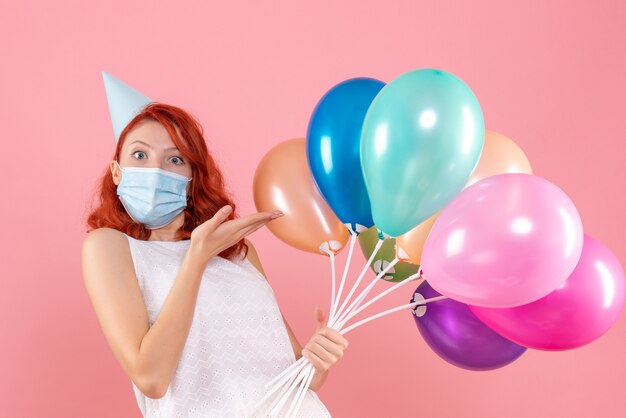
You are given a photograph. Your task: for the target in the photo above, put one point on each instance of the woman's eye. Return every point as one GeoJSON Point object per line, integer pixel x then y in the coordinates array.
{"type": "Point", "coordinates": [177, 160]}
{"type": "Point", "coordinates": [138, 152]}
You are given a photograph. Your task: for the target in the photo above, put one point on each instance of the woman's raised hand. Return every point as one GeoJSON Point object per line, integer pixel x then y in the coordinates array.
{"type": "Point", "coordinates": [216, 234]}
{"type": "Point", "coordinates": [326, 347]}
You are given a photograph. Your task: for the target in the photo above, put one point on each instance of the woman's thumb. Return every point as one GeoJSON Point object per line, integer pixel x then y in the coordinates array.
{"type": "Point", "coordinates": [319, 316]}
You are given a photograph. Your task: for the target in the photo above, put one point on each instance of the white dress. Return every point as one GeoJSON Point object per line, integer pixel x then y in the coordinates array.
{"type": "Point", "coordinates": [237, 341]}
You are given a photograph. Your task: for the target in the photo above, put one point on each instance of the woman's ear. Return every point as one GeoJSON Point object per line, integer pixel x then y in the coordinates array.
{"type": "Point", "coordinates": [115, 173]}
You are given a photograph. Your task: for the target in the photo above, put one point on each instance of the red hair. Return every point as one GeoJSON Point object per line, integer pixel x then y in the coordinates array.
{"type": "Point", "coordinates": [207, 192]}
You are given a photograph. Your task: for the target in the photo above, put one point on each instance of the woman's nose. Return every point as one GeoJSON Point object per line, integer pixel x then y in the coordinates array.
{"type": "Point", "coordinates": [155, 164]}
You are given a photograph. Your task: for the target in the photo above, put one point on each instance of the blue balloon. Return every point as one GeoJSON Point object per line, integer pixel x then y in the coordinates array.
{"type": "Point", "coordinates": [334, 148]}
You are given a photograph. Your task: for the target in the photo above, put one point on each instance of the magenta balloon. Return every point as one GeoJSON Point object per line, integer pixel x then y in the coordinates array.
{"type": "Point", "coordinates": [576, 313]}
{"type": "Point", "coordinates": [506, 240]}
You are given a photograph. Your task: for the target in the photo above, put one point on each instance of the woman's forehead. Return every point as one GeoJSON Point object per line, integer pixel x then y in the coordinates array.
{"type": "Point", "coordinates": [151, 133]}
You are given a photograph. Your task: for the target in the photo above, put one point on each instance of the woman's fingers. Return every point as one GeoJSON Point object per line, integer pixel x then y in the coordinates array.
{"type": "Point", "coordinates": [315, 360]}
{"type": "Point", "coordinates": [245, 230]}
{"type": "Point", "coordinates": [334, 336]}
{"type": "Point", "coordinates": [254, 219]}
{"type": "Point", "coordinates": [251, 229]}
{"type": "Point", "coordinates": [328, 345]}
{"type": "Point", "coordinates": [259, 216]}
{"type": "Point", "coordinates": [323, 353]}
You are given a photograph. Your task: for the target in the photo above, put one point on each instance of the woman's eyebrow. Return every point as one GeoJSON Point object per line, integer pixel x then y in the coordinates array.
{"type": "Point", "coordinates": [149, 146]}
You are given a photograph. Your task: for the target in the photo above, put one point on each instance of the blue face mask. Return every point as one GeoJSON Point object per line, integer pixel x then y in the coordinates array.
{"type": "Point", "coordinates": [152, 196]}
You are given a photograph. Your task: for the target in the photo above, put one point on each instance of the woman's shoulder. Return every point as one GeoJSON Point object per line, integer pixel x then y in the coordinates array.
{"type": "Point", "coordinates": [104, 252]}
{"type": "Point", "coordinates": [105, 234]}
{"type": "Point", "coordinates": [253, 257]}
{"type": "Point", "coordinates": [100, 239]}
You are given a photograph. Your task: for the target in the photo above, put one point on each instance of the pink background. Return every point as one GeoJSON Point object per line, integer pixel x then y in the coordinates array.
{"type": "Point", "coordinates": [549, 75]}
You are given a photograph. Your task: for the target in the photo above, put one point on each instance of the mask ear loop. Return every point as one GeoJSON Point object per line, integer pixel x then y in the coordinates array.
{"type": "Point", "coordinates": [188, 195]}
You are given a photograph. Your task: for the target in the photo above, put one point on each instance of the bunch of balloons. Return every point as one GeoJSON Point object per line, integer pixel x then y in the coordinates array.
{"type": "Point", "coordinates": [408, 168]}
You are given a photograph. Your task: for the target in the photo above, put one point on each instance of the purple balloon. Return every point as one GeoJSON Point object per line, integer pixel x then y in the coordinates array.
{"type": "Point", "coordinates": [578, 312]}
{"type": "Point", "coordinates": [458, 336]}
{"type": "Point", "coordinates": [507, 240]}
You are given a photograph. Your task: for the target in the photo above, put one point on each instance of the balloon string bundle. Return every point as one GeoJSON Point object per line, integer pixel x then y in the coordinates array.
{"type": "Point", "coordinates": [301, 372]}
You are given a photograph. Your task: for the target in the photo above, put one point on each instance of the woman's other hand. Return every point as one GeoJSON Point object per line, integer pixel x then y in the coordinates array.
{"type": "Point", "coordinates": [326, 347]}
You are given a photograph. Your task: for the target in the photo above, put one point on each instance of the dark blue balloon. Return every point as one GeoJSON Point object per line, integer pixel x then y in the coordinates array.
{"type": "Point", "coordinates": [458, 336]}
{"type": "Point", "coordinates": [334, 146]}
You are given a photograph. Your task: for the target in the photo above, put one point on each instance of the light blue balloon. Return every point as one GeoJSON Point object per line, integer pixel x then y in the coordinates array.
{"type": "Point", "coordinates": [421, 139]}
{"type": "Point", "coordinates": [334, 147]}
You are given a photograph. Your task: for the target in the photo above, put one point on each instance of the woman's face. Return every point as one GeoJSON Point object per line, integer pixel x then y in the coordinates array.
{"type": "Point", "coordinates": [149, 145]}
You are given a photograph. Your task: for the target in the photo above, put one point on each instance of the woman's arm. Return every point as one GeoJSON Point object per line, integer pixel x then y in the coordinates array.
{"type": "Point", "coordinates": [253, 257]}
{"type": "Point", "coordinates": [320, 377]}
{"type": "Point", "coordinates": [148, 355]}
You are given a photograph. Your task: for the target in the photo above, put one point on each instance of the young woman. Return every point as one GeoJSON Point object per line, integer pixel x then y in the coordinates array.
{"type": "Point", "coordinates": [178, 290]}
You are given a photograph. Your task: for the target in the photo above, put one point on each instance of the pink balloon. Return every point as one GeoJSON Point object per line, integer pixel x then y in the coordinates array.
{"type": "Point", "coordinates": [507, 240]}
{"type": "Point", "coordinates": [578, 312]}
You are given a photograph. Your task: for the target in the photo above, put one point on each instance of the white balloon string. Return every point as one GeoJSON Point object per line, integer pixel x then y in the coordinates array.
{"type": "Point", "coordinates": [389, 311]}
{"type": "Point", "coordinates": [301, 391]}
{"type": "Point", "coordinates": [332, 267]}
{"type": "Point", "coordinates": [281, 395]}
{"type": "Point", "coordinates": [293, 370]}
{"type": "Point", "coordinates": [284, 384]}
{"type": "Point", "coordinates": [296, 372]}
{"type": "Point", "coordinates": [333, 319]}
{"type": "Point", "coordinates": [294, 401]}
{"type": "Point", "coordinates": [306, 382]}
{"type": "Point", "coordinates": [286, 380]}
{"type": "Point", "coordinates": [287, 369]}
{"type": "Point", "coordinates": [285, 396]}
{"type": "Point", "coordinates": [393, 288]}
{"type": "Point", "coordinates": [305, 388]}
{"type": "Point", "coordinates": [365, 292]}
{"type": "Point", "coordinates": [353, 236]}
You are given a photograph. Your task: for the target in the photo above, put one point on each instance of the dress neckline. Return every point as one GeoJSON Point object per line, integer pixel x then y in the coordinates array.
{"type": "Point", "coordinates": [177, 243]}
{"type": "Point", "coordinates": [160, 242]}
{"type": "Point", "coordinates": [166, 242]}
